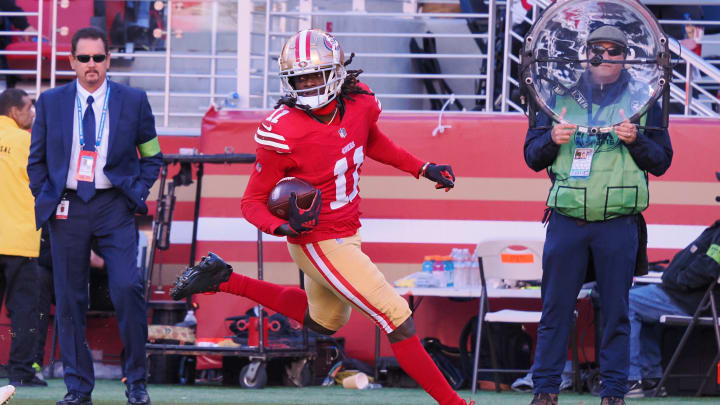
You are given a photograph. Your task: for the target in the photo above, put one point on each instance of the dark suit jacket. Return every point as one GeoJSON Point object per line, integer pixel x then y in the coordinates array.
{"type": "Point", "coordinates": [131, 124]}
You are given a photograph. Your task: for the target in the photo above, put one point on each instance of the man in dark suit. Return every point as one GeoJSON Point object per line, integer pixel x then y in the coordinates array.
{"type": "Point", "coordinates": [88, 183]}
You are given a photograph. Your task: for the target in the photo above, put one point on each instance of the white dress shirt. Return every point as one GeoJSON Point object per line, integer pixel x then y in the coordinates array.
{"type": "Point", "coordinates": [101, 181]}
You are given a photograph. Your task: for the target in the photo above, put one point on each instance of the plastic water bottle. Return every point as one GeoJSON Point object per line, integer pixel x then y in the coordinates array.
{"type": "Point", "coordinates": [455, 254]}
{"type": "Point", "coordinates": [475, 274]}
{"type": "Point", "coordinates": [427, 264]}
{"type": "Point", "coordinates": [439, 272]}
{"type": "Point", "coordinates": [449, 272]}
{"type": "Point", "coordinates": [232, 100]}
{"type": "Point", "coordinates": [460, 265]}
{"type": "Point", "coordinates": [467, 267]}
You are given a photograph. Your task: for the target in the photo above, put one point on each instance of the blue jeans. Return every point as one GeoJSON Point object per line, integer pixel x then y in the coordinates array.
{"type": "Point", "coordinates": [647, 304]}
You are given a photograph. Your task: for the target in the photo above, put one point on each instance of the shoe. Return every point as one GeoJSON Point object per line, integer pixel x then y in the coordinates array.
{"type": "Point", "coordinates": [73, 398]}
{"type": "Point", "coordinates": [649, 385]}
{"type": "Point", "coordinates": [612, 401]}
{"type": "Point", "coordinates": [29, 382]}
{"type": "Point", "coordinates": [635, 389]}
{"type": "Point", "coordinates": [206, 276]}
{"type": "Point", "coordinates": [137, 394]}
{"type": "Point", "coordinates": [523, 384]}
{"type": "Point", "coordinates": [38, 371]}
{"type": "Point", "coordinates": [543, 398]}
{"type": "Point", "coordinates": [6, 393]}
{"type": "Point", "coordinates": [662, 392]}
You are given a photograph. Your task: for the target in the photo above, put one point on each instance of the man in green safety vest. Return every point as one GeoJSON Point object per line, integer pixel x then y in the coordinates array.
{"type": "Point", "coordinates": [598, 162]}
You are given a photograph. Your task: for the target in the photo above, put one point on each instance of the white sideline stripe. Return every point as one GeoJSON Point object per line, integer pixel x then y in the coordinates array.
{"type": "Point", "coordinates": [214, 229]}
{"type": "Point", "coordinates": [320, 264]}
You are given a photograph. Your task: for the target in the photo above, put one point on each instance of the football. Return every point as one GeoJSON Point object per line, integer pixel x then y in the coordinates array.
{"type": "Point", "coordinates": [278, 201]}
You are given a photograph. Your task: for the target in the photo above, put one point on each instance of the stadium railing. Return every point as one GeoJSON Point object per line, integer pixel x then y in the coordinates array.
{"type": "Point", "coordinates": [193, 61]}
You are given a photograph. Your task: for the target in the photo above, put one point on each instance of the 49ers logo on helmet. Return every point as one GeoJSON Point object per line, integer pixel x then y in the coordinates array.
{"type": "Point", "coordinates": [329, 41]}
{"type": "Point", "coordinates": [328, 44]}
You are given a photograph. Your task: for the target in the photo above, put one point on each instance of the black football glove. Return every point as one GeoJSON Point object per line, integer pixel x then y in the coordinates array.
{"type": "Point", "coordinates": [441, 174]}
{"type": "Point", "coordinates": [301, 220]}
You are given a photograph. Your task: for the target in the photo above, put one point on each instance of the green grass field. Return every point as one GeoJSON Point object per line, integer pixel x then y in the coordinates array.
{"type": "Point", "coordinates": [109, 392]}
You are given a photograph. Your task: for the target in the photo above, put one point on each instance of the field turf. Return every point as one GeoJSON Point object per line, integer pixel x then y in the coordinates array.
{"type": "Point", "coordinates": [111, 392]}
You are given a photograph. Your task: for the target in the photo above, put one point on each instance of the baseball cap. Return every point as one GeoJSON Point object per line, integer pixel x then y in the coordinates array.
{"type": "Point", "coordinates": [608, 33]}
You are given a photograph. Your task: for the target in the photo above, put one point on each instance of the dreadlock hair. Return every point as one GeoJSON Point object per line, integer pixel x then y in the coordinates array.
{"type": "Point", "coordinates": [349, 87]}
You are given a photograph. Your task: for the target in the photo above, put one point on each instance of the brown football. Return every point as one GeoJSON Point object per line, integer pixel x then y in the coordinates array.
{"type": "Point", "coordinates": [280, 195]}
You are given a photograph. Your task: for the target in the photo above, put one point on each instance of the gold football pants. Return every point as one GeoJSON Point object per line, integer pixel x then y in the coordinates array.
{"type": "Point", "coordinates": [339, 275]}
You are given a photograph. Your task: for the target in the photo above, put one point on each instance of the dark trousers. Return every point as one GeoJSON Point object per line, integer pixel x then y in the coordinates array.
{"type": "Point", "coordinates": [569, 246]}
{"type": "Point", "coordinates": [20, 274]}
{"type": "Point", "coordinates": [44, 284]}
{"type": "Point", "coordinates": [107, 219]}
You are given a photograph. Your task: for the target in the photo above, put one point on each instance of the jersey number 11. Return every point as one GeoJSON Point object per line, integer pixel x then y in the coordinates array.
{"type": "Point", "coordinates": [341, 168]}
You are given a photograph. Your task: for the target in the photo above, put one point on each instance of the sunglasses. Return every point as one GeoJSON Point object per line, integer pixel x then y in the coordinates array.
{"type": "Point", "coordinates": [599, 50]}
{"type": "Point", "coordinates": [86, 58]}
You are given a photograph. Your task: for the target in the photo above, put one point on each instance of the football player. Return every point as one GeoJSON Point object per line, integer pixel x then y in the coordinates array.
{"type": "Point", "coordinates": [322, 131]}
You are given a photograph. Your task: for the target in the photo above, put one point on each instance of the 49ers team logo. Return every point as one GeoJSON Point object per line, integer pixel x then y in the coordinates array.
{"type": "Point", "coordinates": [330, 42]}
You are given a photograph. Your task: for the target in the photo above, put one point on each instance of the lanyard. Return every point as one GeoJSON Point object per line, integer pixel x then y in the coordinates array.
{"type": "Point", "coordinates": [98, 139]}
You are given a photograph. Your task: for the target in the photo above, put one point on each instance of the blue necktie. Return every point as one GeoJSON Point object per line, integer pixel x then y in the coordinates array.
{"type": "Point", "coordinates": [86, 189]}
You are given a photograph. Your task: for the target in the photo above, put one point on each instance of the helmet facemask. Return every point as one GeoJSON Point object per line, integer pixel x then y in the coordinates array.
{"type": "Point", "coordinates": [318, 96]}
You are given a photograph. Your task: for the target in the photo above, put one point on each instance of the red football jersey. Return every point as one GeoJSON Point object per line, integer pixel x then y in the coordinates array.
{"type": "Point", "coordinates": [328, 156]}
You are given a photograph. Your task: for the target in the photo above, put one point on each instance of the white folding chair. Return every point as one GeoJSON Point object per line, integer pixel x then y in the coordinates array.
{"type": "Point", "coordinates": [518, 260]}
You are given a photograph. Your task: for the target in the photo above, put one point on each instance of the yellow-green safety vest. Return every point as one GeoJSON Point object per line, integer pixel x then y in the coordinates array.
{"type": "Point", "coordinates": [616, 185]}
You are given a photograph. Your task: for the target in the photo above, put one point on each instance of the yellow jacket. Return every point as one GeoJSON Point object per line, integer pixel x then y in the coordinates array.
{"type": "Point", "coordinates": [18, 236]}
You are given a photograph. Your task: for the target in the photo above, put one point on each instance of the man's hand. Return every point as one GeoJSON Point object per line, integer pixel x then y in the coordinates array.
{"type": "Point", "coordinates": [442, 175]}
{"type": "Point", "coordinates": [626, 131]}
{"type": "Point", "coordinates": [96, 261]}
{"type": "Point", "coordinates": [562, 131]}
{"type": "Point", "coordinates": [301, 220]}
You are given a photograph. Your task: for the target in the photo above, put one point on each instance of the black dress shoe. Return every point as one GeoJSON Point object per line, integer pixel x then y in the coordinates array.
{"type": "Point", "coordinates": [137, 394]}
{"type": "Point", "coordinates": [29, 382]}
{"type": "Point", "coordinates": [74, 398]}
